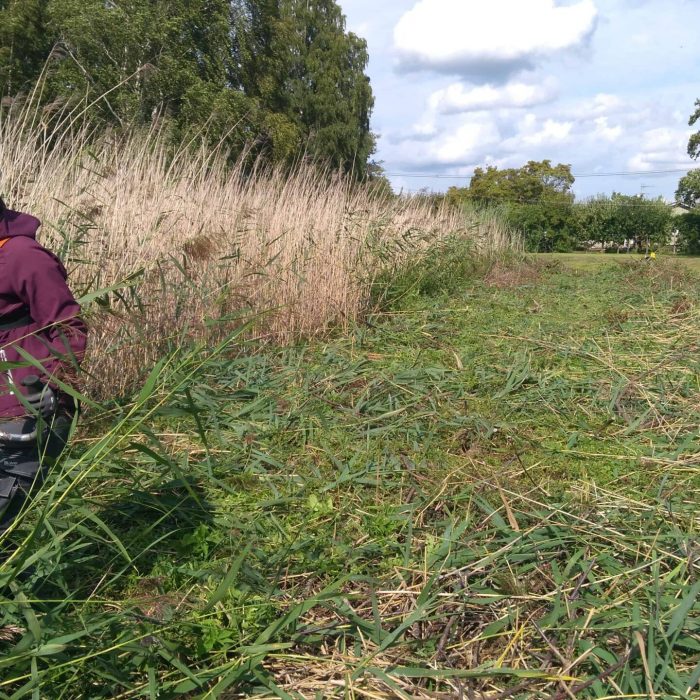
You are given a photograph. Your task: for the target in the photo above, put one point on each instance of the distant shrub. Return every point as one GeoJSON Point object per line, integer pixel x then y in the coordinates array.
{"type": "Point", "coordinates": [689, 233]}
{"type": "Point", "coordinates": [440, 269]}
{"type": "Point", "coordinates": [619, 220]}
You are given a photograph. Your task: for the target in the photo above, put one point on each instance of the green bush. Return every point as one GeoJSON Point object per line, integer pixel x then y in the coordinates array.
{"type": "Point", "coordinates": [440, 269]}
{"type": "Point", "coordinates": [689, 233]}
{"type": "Point", "coordinates": [614, 220]}
{"type": "Point", "coordinates": [548, 227]}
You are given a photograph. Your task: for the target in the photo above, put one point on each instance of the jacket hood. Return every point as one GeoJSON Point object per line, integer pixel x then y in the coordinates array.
{"type": "Point", "coordinates": [15, 223]}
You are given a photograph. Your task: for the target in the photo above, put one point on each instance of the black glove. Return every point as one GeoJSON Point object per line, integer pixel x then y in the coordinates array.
{"type": "Point", "coordinates": [40, 397]}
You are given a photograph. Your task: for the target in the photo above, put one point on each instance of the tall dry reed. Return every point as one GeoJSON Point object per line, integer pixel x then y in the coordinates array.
{"type": "Point", "coordinates": [200, 241]}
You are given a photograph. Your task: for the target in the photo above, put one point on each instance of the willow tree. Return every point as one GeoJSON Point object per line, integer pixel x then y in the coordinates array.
{"type": "Point", "coordinates": [297, 58]}
{"type": "Point", "coordinates": [147, 55]}
{"type": "Point", "coordinates": [282, 75]}
{"type": "Point", "coordinates": [25, 43]}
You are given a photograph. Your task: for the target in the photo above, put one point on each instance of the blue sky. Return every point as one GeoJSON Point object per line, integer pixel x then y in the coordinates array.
{"type": "Point", "coordinates": [604, 85]}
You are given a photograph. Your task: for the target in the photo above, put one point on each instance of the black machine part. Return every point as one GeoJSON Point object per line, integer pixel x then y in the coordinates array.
{"type": "Point", "coordinates": [29, 445]}
{"type": "Point", "coordinates": [42, 399]}
{"type": "Point", "coordinates": [21, 471]}
{"type": "Point", "coordinates": [25, 459]}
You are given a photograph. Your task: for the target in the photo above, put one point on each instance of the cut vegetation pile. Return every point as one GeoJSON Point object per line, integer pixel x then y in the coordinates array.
{"type": "Point", "coordinates": [490, 493]}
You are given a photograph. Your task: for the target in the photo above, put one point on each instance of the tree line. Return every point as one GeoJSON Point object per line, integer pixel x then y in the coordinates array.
{"type": "Point", "coordinates": [279, 78]}
{"type": "Point", "coordinates": [282, 79]}
{"type": "Point", "coordinates": [538, 200]}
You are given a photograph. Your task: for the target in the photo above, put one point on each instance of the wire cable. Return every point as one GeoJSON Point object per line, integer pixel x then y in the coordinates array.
{"type": "Point", "coordinates": [622, 173]}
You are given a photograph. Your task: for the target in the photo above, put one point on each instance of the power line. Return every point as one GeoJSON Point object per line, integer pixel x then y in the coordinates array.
{"type": "Point", "coordinates": [622, 173]}
{"type": "Point", "coordinates": [566, 205]}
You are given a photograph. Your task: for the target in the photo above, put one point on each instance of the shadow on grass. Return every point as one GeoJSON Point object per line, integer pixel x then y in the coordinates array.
{"type": "Point", "coordinates": [89, 549]}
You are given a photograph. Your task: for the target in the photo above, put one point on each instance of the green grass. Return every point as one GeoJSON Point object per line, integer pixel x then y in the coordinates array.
{"type": "Point", "coordinates": [490, 490]}
{"type": "Point", "coordinates": [588, 261]}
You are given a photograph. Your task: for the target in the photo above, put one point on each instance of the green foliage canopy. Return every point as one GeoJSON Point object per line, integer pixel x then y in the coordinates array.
{"type": "Point", "coordinates": [621, 219]}
{"type": "Point", "coordinates": [533, 183]}
{"type": "Point", "coordinates": [297, 58]}
{"type": "Point", "coordinates": [595, 220]}
{"type": "Point", "coordinates": [537, 197]}
{"type": "Point", "coordinates": [24, 43]}
{"type": "Point", "coordinates": [688, 191]}
{"type": "Point", "coordinates": [689, 233]}
{"type": "Point", "coordinates": [282, 75]}
{"type": "Point", "coordinates": [694, 142]}
{"type": "Point", "coordinates": [154, 53]}
{"type": "Point", "coordinates": [647, 222]}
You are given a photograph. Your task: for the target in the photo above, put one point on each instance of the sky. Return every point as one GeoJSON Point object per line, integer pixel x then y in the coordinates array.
{"type": "Point", "coordinates": [606, 86]}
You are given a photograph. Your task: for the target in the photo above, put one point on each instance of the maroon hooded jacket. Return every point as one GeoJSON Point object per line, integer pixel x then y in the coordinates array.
{"type": "Point", "coordinates": [33, 280]}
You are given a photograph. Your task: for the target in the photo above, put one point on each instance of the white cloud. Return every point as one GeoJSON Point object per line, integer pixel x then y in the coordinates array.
{"type": "Point", "coordinates": [662, 138]}
{"type": "Point", "coordinates": [505, 137]}
{"type": "Point", "coordinates": [426, 129]}
{"type": "Point", "coordinates": [486, 138]}
{"type": "Point", "coordinates": [549, 133]}
{"type": "Point", "coordinates": [601, 105]}
{"type": "Point", "coordinates": [611, 117]}
{"type": "Point", "coordinates": [464, 144]}
{"type": "Point", "coordinates": [606, 132]}
{"type": "Point", "coordinates": [467, 143]}
{"type": "Point", "coordinates": [489, 38]}
{"type": "Point", "coordinates": [362, 29]}
{"type": "Point", "coordinates": [456, 98]}
{"type": "Point", "coordinates": [622, 100]}
{"type": "Point", "coordinates": [661, 148]}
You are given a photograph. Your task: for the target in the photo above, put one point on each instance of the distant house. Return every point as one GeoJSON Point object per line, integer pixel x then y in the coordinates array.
{"type": "Point", "coordinates": [678, 208]}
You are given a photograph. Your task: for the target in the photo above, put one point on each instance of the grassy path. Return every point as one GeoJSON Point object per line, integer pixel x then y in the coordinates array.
{"type": "Point", "coordinates": [589, 261]}
{"type": "Point", "coordinates": [490, 492]}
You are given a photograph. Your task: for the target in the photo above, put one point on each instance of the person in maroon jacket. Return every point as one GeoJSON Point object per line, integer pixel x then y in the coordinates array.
{"type": "Point", "coordinates": [42, 340]}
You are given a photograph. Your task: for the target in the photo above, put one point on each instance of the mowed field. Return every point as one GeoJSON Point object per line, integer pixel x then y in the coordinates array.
{"type": "Point", "coordinates": [488, 489]}
{"type": "Point", "coordinates": [583, 261]}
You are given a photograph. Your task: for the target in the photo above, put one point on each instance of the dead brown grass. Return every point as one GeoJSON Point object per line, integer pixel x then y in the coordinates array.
{"type": "Point", "coordinates": [509, 274]}
{"type": "Point", "coordinates": [201, 241]}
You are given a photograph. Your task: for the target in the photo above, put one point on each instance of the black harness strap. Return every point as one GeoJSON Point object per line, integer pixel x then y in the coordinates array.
{"type": "Point", "coordinates": [17, 319]}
